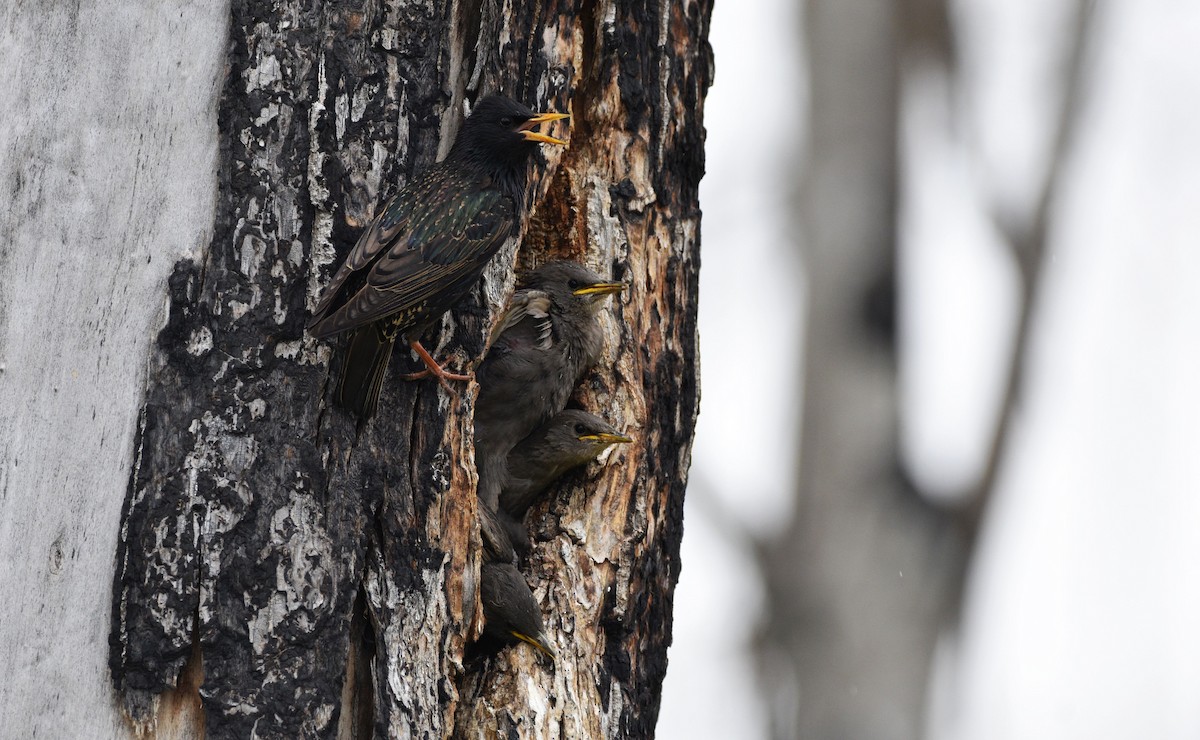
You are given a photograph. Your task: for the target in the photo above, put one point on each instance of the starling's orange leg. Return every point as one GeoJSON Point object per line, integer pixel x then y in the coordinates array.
{"type": "Point", "coordinates": [433, 368]}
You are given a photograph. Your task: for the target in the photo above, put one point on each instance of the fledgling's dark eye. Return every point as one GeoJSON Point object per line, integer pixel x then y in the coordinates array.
{"type": "Point", "coordinates": [506, 122]}
{"type": "Point", "coordinates": [573, 284]}
{"type": "Point", "coordinates": [580, 429]}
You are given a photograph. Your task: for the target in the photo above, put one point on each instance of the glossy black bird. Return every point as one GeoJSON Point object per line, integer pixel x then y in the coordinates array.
{"type": "Point", "coordinates": [429, 245]}
{"type": "Point", "coordinates": [509, 608]}
{"type": "Point", "coordinates": [544, 343]}
{"type": "Point", "coordinates": [570, 439]}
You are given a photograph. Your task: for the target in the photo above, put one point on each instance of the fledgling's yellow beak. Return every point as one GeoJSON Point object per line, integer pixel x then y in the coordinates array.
{"type": "Point", "coordinates": [599, 289]}
{"type": "Point", "coordinates": [605, 437]}
{"type": "Point", "coordinates": [541, 642]}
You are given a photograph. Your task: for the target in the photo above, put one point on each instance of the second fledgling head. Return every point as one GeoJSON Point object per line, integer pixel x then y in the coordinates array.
{"type": "Point", "coordinates": [573, 288]}
{"type": "Point", "coordinates": [570, 439]}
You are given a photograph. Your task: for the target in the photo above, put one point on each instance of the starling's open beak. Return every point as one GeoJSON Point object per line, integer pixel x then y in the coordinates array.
{"type": "Point", "coordinates": [606, 438]}
{"type": "Point", "coordinates": [541, 642]}
{"type": "Point", "coordinates": [524, 128]}
{"type": "Point", "coordinates": [599, 289]}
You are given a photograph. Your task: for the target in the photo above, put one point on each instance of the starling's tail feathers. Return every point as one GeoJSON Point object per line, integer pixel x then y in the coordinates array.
{"type": "Point", "coordinates": [363, 371]}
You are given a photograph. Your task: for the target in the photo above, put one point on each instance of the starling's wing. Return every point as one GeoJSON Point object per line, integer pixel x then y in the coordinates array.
{"type": "Point", "coordinates": [427, 246]}
{"type": "Point", "coordinates": [372, 243]}
{"type": "Point", "coordinates": [532, 304]}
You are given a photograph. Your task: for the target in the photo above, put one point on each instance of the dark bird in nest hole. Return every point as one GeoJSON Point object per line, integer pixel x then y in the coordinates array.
{"type": "Point", "coordinates": [544, 343]}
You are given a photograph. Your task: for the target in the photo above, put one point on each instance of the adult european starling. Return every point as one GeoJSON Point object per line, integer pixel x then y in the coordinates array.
{"type": "Point", "coordinates": [544, 343]}
{"type": "Point", "coordinates": [509, 608]}
{"type": "Point", "coordinates": [570, 439]}
{"type": "Point", "coordinates": [429, 245]}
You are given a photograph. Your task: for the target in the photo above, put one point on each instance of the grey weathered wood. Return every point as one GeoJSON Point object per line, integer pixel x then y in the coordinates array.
{"type": "Point", "coordinates": [108, 153]}
{"type": "Point", "coordinates": [321, 578]}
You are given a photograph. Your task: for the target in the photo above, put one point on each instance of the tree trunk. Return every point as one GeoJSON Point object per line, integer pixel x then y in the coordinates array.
{"type": "Point", "coordinates": [306, 577]}
{"type": "Point", "coordinates": [107, 159]}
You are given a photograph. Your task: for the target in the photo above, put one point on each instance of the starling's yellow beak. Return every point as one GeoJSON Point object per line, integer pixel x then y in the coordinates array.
{"type": "Point", "coordinates": [599, 289]}
{"type": "Point", "coordinates": [606, 438]}
{"type": "Point", "coordinates": [524, 128]}
{"type": "Point", "coordinates": [540, 642]}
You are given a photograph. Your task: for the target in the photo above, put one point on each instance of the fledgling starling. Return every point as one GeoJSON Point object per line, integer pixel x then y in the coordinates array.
{"type": "Point", "coordinates": [570, 439]}
{"type": "Point", "coordinates": [500, 534]}
{"type": "Point", "coordinates": [509, 608]}
{"type": "Point", "coordinates": [429, 245]}
{"type": "Point", "coordinates": [544, 343]}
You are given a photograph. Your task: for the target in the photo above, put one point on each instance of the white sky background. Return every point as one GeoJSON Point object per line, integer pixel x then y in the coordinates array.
{"type": "Point", "coordinates": [1083, 616]}
{"type": "Point", "coordinates": [1082, 621]}
{"type": "Point", "coordinates": [743, 462]}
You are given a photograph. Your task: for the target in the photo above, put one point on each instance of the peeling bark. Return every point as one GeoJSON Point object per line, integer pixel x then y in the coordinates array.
{"type": "Point", "coordinates": [326, 575]}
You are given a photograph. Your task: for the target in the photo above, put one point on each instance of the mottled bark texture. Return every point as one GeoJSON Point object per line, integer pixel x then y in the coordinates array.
{"type": "Point", "coordinates": [321, 576]}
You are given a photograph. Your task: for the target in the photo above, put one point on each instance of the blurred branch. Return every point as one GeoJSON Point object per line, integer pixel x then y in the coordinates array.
{"type": "Point", "coordinates": [925, 29]}
{"type": "Point", "coordinates": [732, 526]}
{"type": "Point", "coordinates": [1028, 243]}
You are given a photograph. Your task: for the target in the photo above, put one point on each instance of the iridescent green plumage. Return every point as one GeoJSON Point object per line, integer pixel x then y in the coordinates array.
{"type": "Point", "coordinates": [415, 261]}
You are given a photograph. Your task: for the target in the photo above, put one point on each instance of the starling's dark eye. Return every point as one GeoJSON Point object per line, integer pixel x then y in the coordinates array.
{"type": "Point", "coordinates": [573, 284]}
{"type": "Point", "coordinates": [506, 122]}
{"type": "Point", "coordinates": [580, 429]}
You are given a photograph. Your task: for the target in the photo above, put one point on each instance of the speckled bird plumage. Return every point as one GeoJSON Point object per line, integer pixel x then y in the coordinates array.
{"type": "Point", "coordinates": [428, 245]}
{"type": "Point", "coordinates": [545, 342]}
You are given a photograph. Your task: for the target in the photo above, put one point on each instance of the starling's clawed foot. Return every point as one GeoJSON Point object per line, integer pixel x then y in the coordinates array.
{"type": "Point", "coordinates": [433, 369]}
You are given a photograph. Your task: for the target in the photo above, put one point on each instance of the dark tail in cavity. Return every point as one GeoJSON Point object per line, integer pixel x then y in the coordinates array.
{"type": "Point", "coordinates": [363, 371]}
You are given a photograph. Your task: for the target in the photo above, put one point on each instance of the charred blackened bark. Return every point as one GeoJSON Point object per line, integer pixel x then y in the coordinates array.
{"type": "Point", "coordinates": [322, 576]}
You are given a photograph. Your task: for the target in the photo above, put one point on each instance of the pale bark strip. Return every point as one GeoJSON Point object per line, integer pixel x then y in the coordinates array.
{"type": "Point", "coordinates": [300, 551]}
{"type": "Point", "coordinates": [108, 157]}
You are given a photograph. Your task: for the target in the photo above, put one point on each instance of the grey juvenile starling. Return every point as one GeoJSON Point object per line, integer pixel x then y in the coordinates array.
{"type": "Point", "coordinates": [499, 532]}
{"type": "Point", "coordinates": [570, 439]}
{"type": "Point", "coordinates": [429, 245]}
{"type": "Point", "coordinates": [545, 342]}
{"type": "Point", "coordinates": [509, 608]}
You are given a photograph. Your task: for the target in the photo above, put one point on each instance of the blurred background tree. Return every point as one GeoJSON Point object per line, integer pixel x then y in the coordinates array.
{"type": "Point", "coordinates": [985, 530]}
{"type": "Point", "coordinates": [870, 569]}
